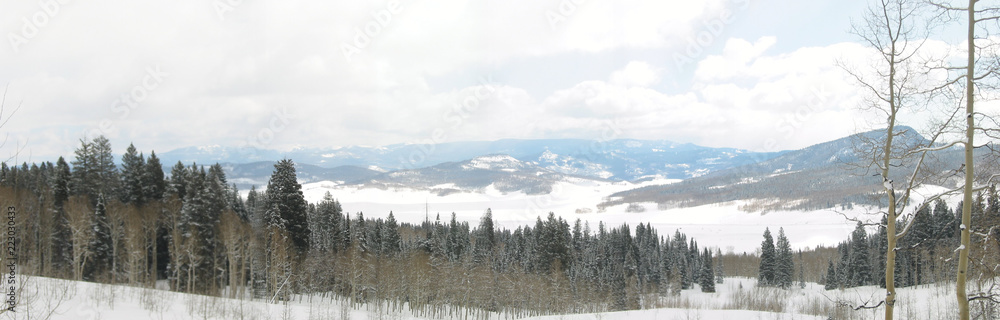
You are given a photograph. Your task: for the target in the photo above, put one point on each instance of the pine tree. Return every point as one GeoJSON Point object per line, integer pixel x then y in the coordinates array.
{"type": "Point", "coordinates": [104, 165]}
{"type": "Point", "coordinates": [707, 280]}
{"type": "Point", "coordinates": [831, 276]}
{"type": "Point", "coordinates": [286, 204]}
{"type": "Point", "coordinates": [132, 177]}
{"type": "Point", "coordinates": [720, 272]}
{"type": "Point", "coordinates": [859, 266]}
{"type": "Point", "coordinates": [768, 260]}
{"type": "Point", "coordinates": [784, 267]}
{"type": "Point", "coordinates": [391, 241]}
{"type": "Point", "coordinates": [178, 180]}
{"type": "Point", "coordinates": [100, 244]}
{"type": "Point", "coordinates": [485, 238]}
{"type": "Point", "coordinates": [61, 233]}
{"type": "Point", "coordinates": [154, 184]}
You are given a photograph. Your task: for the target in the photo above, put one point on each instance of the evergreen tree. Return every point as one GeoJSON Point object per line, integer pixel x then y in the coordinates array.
{"type": "Point", "coordinates": [178, 180]}
{"type": "Point", "coordinates": [61, 241]}
{"type": "Point", "coordinates": [859, 266]}
{"type": "Point", "coordinates": [85, 179]}
{"type": "Point", "coordinates": [100, 244]}
{"type": "Point", "coordinates": [485, 237]}
{"type": "Point", "coordinates": [720, 272]}
{"type": "Point", "coordinates": [784, 267]}
{"type": "Point", "coordinates": [61, 189]}
{"type": "Point", "coordinates": [154, 184]}
{"type": "Point", "coordinates": [106, 172]}
{"type": "Point", "coordinates": [132, 177]}
{"type": "Point", "coordinates": [391, 241]}
{"type": "Point", "coordinates": [286, 204]}
{"type": "Point", "coordinates": [768, 260]}
{"type": "Point", "coordinates": [831, 277]}
{"type": "Point", "coordinates": [707, 280]}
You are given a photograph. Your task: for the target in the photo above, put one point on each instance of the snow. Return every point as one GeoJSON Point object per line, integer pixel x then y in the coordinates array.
{"type": "Point", "coordinates": [492, 162]}
{"type": "Point", "coordinates": [737, 298]}
{"type": "Point", "coordinates": [716, 225]}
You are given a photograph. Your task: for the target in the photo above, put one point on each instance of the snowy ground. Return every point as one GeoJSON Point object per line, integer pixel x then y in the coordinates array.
{"type": "Point", "coordinates": [44, 298]}
{"type": "Point", "coordinates": [718, 225]}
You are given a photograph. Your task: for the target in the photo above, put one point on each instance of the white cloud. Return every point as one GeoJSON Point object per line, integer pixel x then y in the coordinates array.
{"type": "Point", "coordinates": [636, 73]}
{"type": "Point", "coordinates": [275, 73]}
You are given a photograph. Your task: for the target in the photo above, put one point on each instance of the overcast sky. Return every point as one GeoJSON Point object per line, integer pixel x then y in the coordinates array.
{"type": "Point", "coordinates": [757, 75]}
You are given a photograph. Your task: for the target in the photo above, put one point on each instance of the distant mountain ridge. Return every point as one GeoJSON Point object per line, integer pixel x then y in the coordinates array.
{"type": "Point", "coordinates": [817, 177]}
{"type": "Point", "coordinates": [622, 159]}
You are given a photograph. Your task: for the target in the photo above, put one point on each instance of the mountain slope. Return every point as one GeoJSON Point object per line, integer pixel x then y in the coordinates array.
{"type": "Point", "coordinates": [819, 176]}
{"type": "Point", "coordinates": [623, 159]}
{"type": "Point", "coordinates": [501, 171]}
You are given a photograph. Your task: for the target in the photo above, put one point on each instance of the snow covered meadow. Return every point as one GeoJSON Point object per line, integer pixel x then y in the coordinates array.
{"type": "Point", "coordinates": [721, 225]}
{"type": "Point", "coordinates": [737, 298]}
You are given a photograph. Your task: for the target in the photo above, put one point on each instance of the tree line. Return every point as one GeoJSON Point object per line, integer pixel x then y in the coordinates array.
{"type": "Point", "coordinates": [90, 219]}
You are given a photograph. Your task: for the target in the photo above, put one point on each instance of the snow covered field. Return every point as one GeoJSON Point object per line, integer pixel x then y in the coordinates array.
{"type": "Point", "coordinates": [717, 225]}
{"type": "Point", "coordinates": [45, 298]}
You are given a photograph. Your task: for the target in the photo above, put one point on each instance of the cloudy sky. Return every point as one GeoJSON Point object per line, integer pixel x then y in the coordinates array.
{"type": "Point", "coordinates": [758, 75]}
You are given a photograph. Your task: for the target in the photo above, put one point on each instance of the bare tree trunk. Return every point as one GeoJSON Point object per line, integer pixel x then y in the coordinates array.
{"type": "Point", "coordinates": [890, 228]}
{"type": "Point", "coordinates": [963, 252]}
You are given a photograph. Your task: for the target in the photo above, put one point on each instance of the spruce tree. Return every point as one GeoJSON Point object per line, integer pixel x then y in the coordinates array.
{"type": "Point", "coordinates": [85, 171]}
{"type": "Point", "coordinates": [61, 233]}
{"type": "Point", "coordinates": [286, 204]}
{"type": "Point", "coordinates": [707, 280]}
{"type": "Point", "coordinates": [178, 180]}
{"type": "Point", "coordinates": [859, 267]}
{"type": "Point", "coordinates": [485, 237]}
{"type": "Point", "coordinates": [720, 272]}
{"type": "Point", "coordinates": [133, 172]}
{"type": "Point", "coordinates": [784, 267]}
{"type": "Point", "coordinates": [391, 241]}
{"type": "Point", "coordinates": [768, 260]}
{"type": "Point", "coordinates": [154, 184]}
{"type": "Point", "coordinates": [100, 244]}
{"type": "Point", "coordinates": [104, 165]}
{"type": "Point", "coordinates": [831, 276]}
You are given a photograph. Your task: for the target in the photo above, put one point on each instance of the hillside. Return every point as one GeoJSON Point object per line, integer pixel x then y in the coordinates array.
{"type": "Point", "coordinates": [824, 175]}
{"type": "Point", "coordinates": [622, 159]}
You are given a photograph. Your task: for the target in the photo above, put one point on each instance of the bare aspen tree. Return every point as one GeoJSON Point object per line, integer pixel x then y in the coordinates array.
{"type": "Point", "coordinates": [135, 243]}
{"type": "Point", "coordinates": [977, 77]}
{"type": "Point", "coordinates": [903, 83]}
{"type": "Point", "coordinates": [80, 215]}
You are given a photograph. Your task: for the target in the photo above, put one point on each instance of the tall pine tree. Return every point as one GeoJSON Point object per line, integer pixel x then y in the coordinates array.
{"type": "Point", "coordinates": [286, 204]}
{"type": "Point", "coordinates": [768, 260]}
{"type": "Point", "coordinates": [784, 267]}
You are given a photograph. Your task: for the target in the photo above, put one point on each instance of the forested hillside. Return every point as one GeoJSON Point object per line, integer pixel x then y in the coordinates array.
{"type": "Point", "coordinates": [826, 175]}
